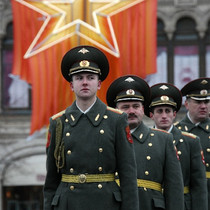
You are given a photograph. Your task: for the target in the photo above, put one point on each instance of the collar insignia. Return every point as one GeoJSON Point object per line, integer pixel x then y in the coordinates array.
{"type": "Point", "coordinates": [83, 51]}
{"type": "Point", "coordinates": [129, 79]}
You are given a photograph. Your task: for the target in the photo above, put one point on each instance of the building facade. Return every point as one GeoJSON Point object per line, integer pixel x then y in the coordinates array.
{"type": "Point", "coordinates": [183, 36]}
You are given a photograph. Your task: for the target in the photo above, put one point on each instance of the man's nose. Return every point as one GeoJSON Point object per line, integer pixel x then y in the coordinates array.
{"type": "Point", "coordinates": [131, 110]}
{"type": "Point", "coordinates": [84, 81]}
{"type": "Point", "coordinates": [164, 114]}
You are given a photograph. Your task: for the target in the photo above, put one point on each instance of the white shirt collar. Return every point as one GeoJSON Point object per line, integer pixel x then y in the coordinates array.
{"type": "Point", "coordinates": [84, 112]}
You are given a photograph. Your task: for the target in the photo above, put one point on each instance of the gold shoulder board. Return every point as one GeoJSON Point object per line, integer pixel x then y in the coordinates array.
{"type": "Point", "coordinates": [114, 110]}
{"type": "Point", "coordinates": [189, 134]}
{"type": "Point", "coordinates": [156, 129]}
{"type": "Point", "coordinates": [58, 114]}
{"type": "Point", "coordinates": [176, 123]}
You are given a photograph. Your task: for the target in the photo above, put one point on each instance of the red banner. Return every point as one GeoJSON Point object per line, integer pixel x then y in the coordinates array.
{"type": "Point", "coordinates": [45, 30]}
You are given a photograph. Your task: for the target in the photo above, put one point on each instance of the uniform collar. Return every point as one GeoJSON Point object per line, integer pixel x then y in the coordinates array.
{"type": "Point", "coordinates": [95, 114]}
{"type": "Point", "coordinates": [204, 125]}
{"type": "Point", "coordinates": [87, 110]}
{"type": "Point", "coordinates": [141, 132]}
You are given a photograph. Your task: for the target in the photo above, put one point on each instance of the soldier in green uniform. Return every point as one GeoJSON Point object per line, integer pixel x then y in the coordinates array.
{"type": "Point", "coordinates": [197, 120]}
{"type": "Point", "coordinates": [166, 101]}
{"type": "Point", "coordinates": [157, 164]}
{"type": "Point", "coordinates": [88, 142]}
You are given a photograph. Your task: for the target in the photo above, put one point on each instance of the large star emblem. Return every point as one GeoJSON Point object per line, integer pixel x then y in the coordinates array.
{"type": "Point", "coordinates": [75, 20]}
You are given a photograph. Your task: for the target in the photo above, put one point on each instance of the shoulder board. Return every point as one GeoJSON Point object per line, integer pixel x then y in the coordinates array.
{"type": "Point", "coordinates": [114, 110]}
{"type": "Point", "coordinates": [189, 134]}
{"type": "Point", "coordinates": [58, 114]}
{"type": "Point", "coordinates": [176, 123]}
{"type": "Point", "coordinates": [156, 129]}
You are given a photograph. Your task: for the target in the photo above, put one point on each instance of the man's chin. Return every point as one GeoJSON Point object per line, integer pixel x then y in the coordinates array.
{"type": "Point", "coordinates": [133, 125]}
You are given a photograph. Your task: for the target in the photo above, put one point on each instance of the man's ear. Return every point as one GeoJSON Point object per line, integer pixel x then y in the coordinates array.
{"type": "Point", "coordinates": [186, 104]}
{"type": "Point", "coordinates": [71, 86]}
{"type": "Point", "coordinates": [151, 115]}
{"type": "Point", "coordinates": [99, 84]}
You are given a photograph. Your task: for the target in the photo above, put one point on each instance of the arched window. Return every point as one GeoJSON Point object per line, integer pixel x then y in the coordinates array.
{"type": "Point", "coordinates": [15, 92]}
{"type": "Point", "coordinates": [207, 50]}
{"type": "Point", "coordinates": [184, 57]}
{"type": "Point", "coordinates": [186, 52]}
{"type": "Point", "coordinates": [161, 75]}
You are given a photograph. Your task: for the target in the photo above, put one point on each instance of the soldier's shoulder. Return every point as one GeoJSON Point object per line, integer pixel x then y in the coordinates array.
{"type": "Point", "coordinates": [55, 116]}
{"type": "Point", "coordinates": [159, 130]}
{"type": "Point", "coordinates": [117, 111]}
{"type": "Point", "coordinates": [189, 135]}
{"type": "Point", "coordinates": [176, 123]}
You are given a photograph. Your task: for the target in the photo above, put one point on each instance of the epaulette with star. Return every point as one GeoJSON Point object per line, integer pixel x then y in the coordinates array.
{"type": "Point", "coordinates": [189, 134]}
{"type": "Point", "coordinates": [58, 114]}
{"type": "Point", "coordinates": [114, 110]}
{"type": "Point", "coordinates": [156, 129]}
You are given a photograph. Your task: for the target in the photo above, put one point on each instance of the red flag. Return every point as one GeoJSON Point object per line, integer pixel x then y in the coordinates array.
{"type": "Point", "coordinates": [44, 31]}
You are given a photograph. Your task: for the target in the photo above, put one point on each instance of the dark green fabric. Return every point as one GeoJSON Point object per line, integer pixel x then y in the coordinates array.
{"type": "Point", "coordinates": [193, 169]}
{"type": "Point", "coordinates": [203, 131]}
{"type": "Point", "coordinates": [163, 167]}
{"type": "Point", "coordinates": [88, 133]}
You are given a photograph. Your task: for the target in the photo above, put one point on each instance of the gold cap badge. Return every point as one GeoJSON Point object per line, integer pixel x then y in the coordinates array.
{"type": "Point", "coordinates": [164, 98]}
{"type": "Point", "coordinates": [130, 92]}
{"type": "Point", "coordinates": [203, 92]}
{"type": "Point", "coordinates": [84, 63]}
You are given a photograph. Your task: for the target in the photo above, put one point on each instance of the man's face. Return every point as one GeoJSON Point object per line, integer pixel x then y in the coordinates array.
{"type": "Point", "coordinates": [163, 117]}
{"type": "Point", "coordinates": [85, 85]}
{"type": "Point", "coordinates": [134, 110]}
{"type": "Point", "coordinates": [198, 110]}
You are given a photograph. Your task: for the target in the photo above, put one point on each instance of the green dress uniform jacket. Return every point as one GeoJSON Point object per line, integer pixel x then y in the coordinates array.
{"type": "Point", "coordinates": [193, 169]}
{"type": "Point", "coordinates": [158, 167]}
{"type": "Point", "coordinates": [202, 130]}
{"type": "Point", "coordinates": [94, 144]}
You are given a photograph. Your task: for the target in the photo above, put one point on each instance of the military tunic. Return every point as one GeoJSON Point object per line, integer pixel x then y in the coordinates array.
{"type": "Point", "coordinates": [193, 169]}
{"type": "Point", "coordinates": [94, 143]}
{"type": "Point", "coordinates": [157, 162]}
{"type": "Point", "coordinates": [202, 130]}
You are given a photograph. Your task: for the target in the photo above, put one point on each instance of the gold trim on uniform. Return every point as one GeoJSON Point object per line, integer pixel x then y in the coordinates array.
{"type": "Point", "coordinates": [87, 178]}
{"type": "Point", "coordinates": [207, 174]}
{"type": "Point", "coordinates": [186, 189]}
